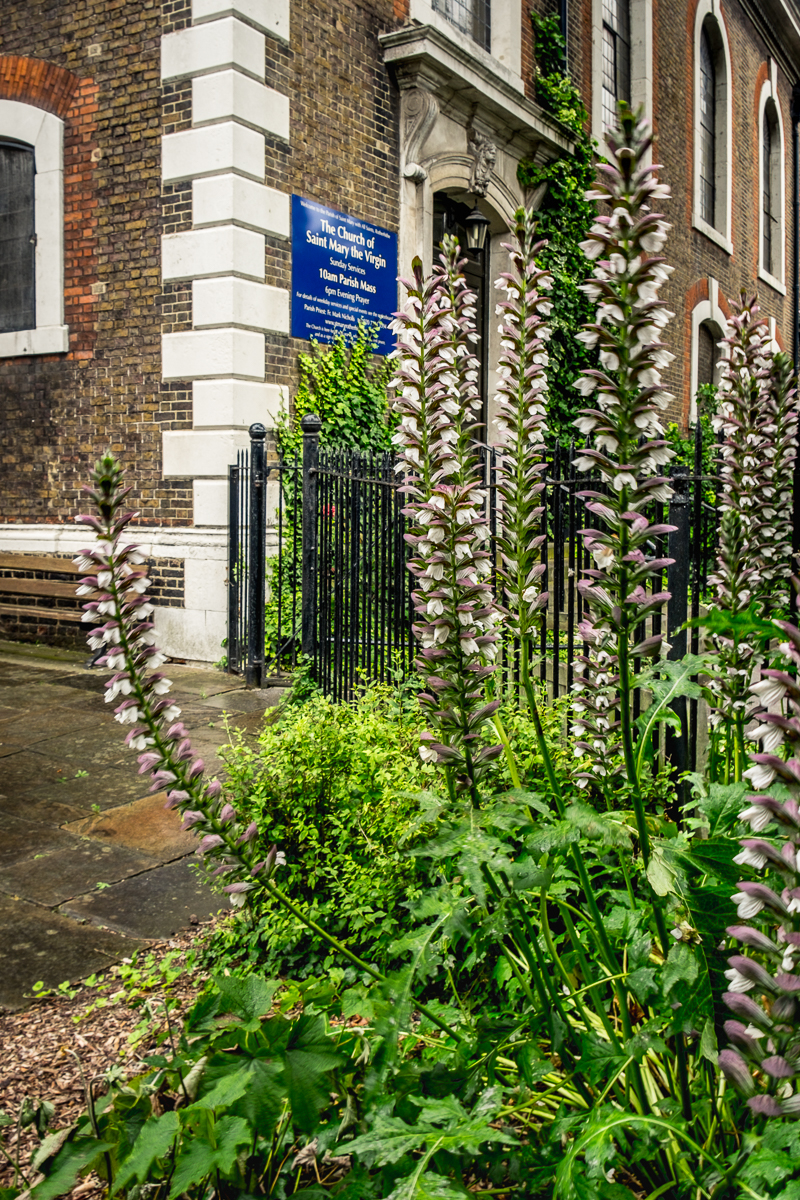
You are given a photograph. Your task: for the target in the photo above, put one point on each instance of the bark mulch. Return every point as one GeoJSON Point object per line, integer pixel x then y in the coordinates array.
{"type": "Point", "coordinates": [50, 1048]}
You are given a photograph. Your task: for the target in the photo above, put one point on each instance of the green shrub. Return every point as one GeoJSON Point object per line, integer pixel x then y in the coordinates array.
{"type": "Point", "coordinates": [337, 787]}
{"type": "Point", "coordinates": [334, 785]}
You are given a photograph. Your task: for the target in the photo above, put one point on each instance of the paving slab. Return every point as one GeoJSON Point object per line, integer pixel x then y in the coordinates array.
{"type": "Point", "coordinates": [61, 875]}
{"type": "Point", "coordinates": [155, 904]}
{"type": "Point", "coordinates": [23, 840]}
{"type": "Point", "coordinates": [247, 702]}
{"type": "Point", "coordinates": [38, 724]}
{"type": "Point", "coordinates": [38, 944]}
{"type": "Point", "coordinates": [97, 747]}
{"type": "Point", "coordinates": [146, 825]}
{"type": "Point", "coordinates": [104, 786]}
{"type": "Point", "coordinates": [30, 807]}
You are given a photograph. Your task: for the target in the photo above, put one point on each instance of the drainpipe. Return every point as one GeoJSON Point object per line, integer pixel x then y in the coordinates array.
{"type": "Point", "coordinates": [564, 22]}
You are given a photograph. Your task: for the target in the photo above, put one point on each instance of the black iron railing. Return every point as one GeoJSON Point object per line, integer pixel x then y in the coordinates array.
{"type": "Point", "coordinates": [319, 547]}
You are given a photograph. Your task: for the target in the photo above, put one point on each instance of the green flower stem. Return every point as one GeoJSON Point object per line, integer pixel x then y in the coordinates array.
{"type": "Point", "coordinates": [283, 899]}
{"type": "Point", "coordinates": [636, 794]}
{"type": "Point", "coordinates": [587, 970]}
{"type": "Point", "coordinates": [182, 783]}
{"type": "Point", "coordinates": [511, 761]}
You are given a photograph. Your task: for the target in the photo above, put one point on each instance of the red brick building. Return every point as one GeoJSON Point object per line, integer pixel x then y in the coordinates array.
{"type": "Point", "coordinates": [153, 150]}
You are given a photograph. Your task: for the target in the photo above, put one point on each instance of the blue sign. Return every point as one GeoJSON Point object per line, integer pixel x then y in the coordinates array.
{"type": "Point", "coordinates": [343, 271]}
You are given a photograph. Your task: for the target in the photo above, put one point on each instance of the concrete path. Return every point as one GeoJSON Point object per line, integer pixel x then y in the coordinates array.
{"type": "Point", "coordinates": [91, 865]}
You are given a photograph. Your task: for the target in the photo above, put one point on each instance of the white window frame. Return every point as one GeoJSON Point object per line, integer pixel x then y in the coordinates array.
{"type": "Point", "coordinates": [711, 11]}
{"type": "Point", "coordinates": [769, 92]}
{"type": "Point", "coordinates": [641, 33]}
{"type": "Point", "coordinates": [506, 42]}
{"type": "Point", "coordinates": [704, 312]}
{"type": "Point", "coordinates": [45, 132]}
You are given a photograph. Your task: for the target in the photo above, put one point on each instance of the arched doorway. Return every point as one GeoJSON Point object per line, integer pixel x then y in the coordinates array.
{"type": "Point", "coordinates": [449, 215]}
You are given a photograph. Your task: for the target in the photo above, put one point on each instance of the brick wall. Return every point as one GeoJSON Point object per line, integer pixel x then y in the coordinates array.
{"type": "Point", "coordinates": [694, 255]}
{"type": "Point", "coordinates": [97, 66]}
{"type": "Point", "coordinates": [344, 139]}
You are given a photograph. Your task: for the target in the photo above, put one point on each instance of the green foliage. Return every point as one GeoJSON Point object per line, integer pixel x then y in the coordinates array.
{"type": "Point", "coordinates": [334, 786]}
{"type": "Point", "coordinates": [346, 388]}
{"type": "Point", "coordinates": [564, 218]}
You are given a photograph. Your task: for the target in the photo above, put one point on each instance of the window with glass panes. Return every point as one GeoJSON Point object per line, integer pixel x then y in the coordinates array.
{"type": "Point", "coordinates": [472, 17]}
{"type": "Point", "coordinates": [770, 203]}
{"type": "Point", "coordinates": [708, 130]}
{"type": "Point", "coordinates": [616, 57]}
{"type": "Point", "coordinates": [17, 238]}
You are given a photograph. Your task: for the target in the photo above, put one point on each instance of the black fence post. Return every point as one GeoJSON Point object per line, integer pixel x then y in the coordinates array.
{"type": "Point", "coordinates": [234, 614]}
{"type": "Point", "coordinates": [677, 743]}
{"type": "Point", "coordinates": [311, 426]}
{"type": "Point", "coordinates": [256, 580]}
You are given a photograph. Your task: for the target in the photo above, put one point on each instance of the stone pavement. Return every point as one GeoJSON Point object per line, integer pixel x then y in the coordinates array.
{"type": "Point", "coordinates": [92, 866]}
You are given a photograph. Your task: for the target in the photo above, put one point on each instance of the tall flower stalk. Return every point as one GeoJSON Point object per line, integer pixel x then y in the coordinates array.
{"type": "Point", "coordinates": [521, 425]}
{"type": "Point", "coordinates": [774, 538]}
{"type": "Point", "coordinates": [757, 418]}
{"type": "Point", "coordinates": [437, 374]}
{"type": "Point", "coordinates": [121, 610]}
{"type": "Point", "coordinates": [627, 448]}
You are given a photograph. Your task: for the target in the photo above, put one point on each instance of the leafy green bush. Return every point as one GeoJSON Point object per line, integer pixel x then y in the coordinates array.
{"type": "Point", "coordinates": [335, 786]}
{"type": "Point", "coordinates": [346, 388]}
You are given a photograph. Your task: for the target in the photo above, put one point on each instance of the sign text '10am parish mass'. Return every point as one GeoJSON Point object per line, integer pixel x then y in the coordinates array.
{"type": "Point", "coordinates": [343, 271]}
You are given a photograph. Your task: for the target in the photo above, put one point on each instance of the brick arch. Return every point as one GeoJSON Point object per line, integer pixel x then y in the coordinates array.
{"type": "Point", "coordinates": [34, 81]}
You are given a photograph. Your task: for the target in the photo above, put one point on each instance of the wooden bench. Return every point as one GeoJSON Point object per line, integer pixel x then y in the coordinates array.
{"type": "Point", "coordinates": [40, 590]}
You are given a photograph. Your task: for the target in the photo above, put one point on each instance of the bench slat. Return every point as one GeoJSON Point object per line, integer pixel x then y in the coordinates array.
{"type": "Point", "coordinates": [38, 587]}
{"type": "Point", "coordinates": [38, 562]}
{"type": "Point", "coordinates": [49, 614]}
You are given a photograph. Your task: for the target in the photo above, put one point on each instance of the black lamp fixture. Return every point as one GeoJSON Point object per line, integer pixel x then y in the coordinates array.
{"type": "Point", "coordinates": [477, 227]}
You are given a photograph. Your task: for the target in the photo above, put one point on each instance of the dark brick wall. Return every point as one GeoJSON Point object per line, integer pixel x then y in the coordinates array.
{"type": "Point", "coordinates": [344, 138]}
{"type": "Point", "coordinates": [693, 254]}
{"type": "Point", "coordinates": [55, 620]}
{"type": "Point", "coordinates": [97, 65]}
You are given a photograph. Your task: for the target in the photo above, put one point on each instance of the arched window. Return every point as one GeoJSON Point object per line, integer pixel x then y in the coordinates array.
{"type": "Point", "coordinates": [708, 130]}
{"type": "Point", "coordinates": [616, 57]}
{"type": "Point", "coordinates": [770, 174]}
{"type": "Point", "coordinates": [707, 353]}
{"type": "Point", "coordinates": [31, 231]}
{"type": "Point", "coordinates": [712, 126]}
{"type": "Point", "coordinates": [708, 323]}
{"type": "Point", "coordinates": [17, 237]}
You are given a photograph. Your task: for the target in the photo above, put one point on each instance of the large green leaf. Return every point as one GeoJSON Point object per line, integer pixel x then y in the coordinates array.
{"type": "Point", "coordinates": [427, 1185]}
{"type": "Point", "coordinates": [72, 1160]}
{"type": "Point", "coordinates": [667, 682]}
{"type": "Point", "coordinates": [310, 1056]}
{"type": "Point", "coordinates": [443, 1122]}
{"type": "Point", "coordinates": [248, 997]}
{"type": "Point", "coordinates": [199, 1156]}
{"type": "Point", "coordinates": [154, 1141]}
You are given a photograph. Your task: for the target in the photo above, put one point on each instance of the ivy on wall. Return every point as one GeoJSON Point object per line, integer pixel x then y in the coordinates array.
{"type": "Point", "coordinates": [346, 387]}
{"type": "Point", "coordinates": [564, 220]}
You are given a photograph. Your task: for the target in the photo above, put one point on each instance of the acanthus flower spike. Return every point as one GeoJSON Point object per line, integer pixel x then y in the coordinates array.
{"type": "Point", "coordinates": [626, 446]}
{"type": "Point", "coordinates": [439, 404]}
{"type": "Point", "coordinates": [117, 592]}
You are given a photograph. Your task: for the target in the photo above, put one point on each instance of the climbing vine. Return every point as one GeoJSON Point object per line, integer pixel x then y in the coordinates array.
{"type": "Point", "coordinates": [346, 388]}
{"type": "Point", "coordinates": [564, 220]}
